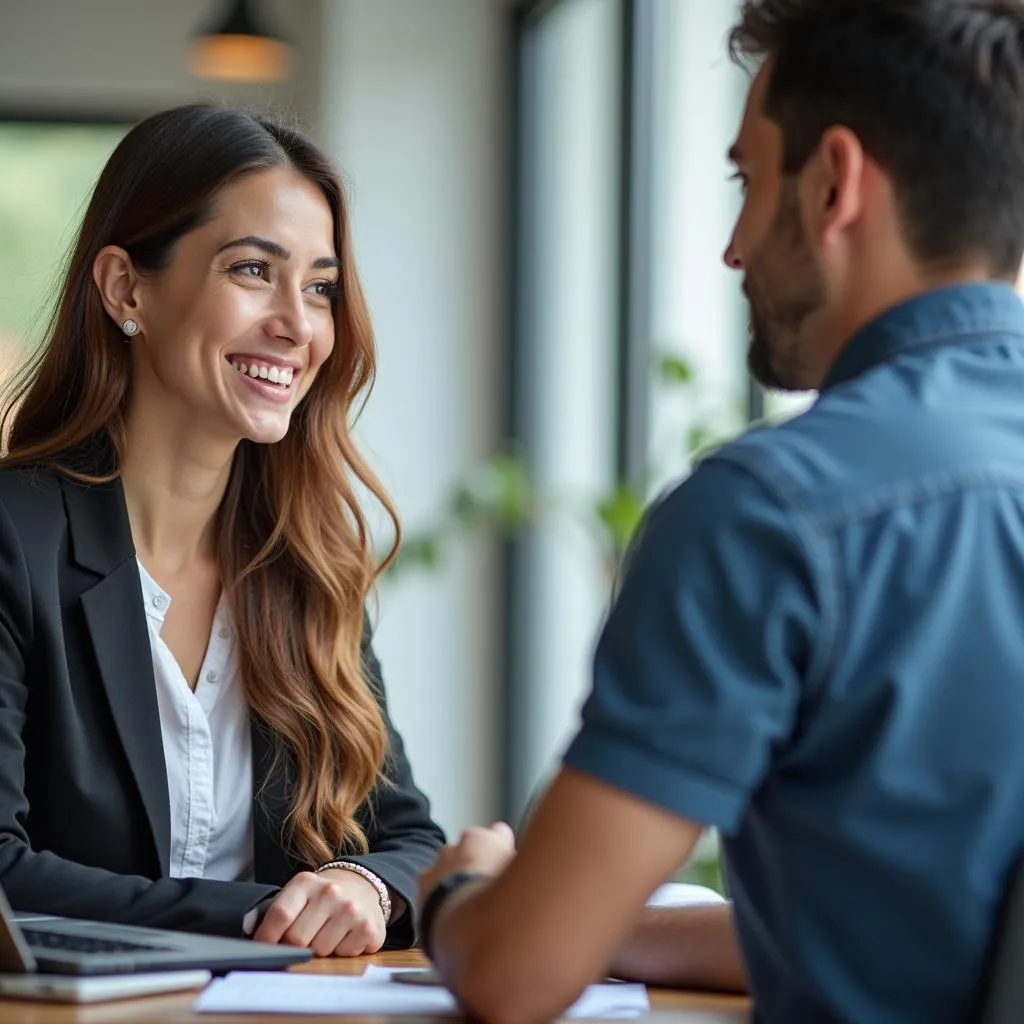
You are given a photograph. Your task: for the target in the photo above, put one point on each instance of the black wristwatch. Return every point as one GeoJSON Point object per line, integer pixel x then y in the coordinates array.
{"type": "Point", "coordinates": [437, 898]}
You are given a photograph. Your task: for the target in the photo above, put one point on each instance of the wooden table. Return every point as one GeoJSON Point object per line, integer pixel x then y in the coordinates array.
{"type": "Point", "coordinates": [691, 1007]}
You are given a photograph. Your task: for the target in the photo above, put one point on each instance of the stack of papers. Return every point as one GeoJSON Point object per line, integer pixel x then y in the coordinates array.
{"type": "Point", "coordinates": [375, 993]}
{"type": "Point", "coordinates": [680, 894]}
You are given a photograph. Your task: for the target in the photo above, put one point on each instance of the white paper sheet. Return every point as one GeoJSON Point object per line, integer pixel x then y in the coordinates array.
{"type": "Point", "coordinates": [375, 992]}
{"type": "Point", "coordinates": [679, 894]}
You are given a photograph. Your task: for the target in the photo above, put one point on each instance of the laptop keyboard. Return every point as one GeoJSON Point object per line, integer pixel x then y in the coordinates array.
{"type": "Point", "coordinates": [39, 939]}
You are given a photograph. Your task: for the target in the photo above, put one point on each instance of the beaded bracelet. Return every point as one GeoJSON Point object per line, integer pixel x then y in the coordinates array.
{"type": "Point", "coordinates": [374, 880]}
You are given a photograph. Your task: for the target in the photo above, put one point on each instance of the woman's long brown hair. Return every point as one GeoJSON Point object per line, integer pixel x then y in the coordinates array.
{"type": "Point", "coordinates": [293, 542]}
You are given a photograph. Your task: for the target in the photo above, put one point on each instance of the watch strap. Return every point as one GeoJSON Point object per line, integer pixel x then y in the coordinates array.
{"type": "Point", "coordinates": [436, 899]}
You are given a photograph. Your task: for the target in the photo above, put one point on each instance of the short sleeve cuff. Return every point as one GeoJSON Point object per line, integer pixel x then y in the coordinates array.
{"type": "Point", "coordinates": [615, 760]}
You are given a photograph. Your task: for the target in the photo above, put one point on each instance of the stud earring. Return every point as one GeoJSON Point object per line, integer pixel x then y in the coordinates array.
{"type": "Point", "coordinates": [130, 327]}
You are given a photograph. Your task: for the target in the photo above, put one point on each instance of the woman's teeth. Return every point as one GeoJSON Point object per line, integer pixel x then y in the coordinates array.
{"type": "Point", "coordinates": [275, 374]}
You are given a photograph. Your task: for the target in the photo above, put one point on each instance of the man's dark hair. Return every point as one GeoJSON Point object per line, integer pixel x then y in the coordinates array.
{"type": "Point", "coordinates": [934, 89]}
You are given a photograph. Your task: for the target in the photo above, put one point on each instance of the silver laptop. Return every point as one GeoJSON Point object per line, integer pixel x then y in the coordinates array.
{"type": "Point", "coordinates": [64, 945]}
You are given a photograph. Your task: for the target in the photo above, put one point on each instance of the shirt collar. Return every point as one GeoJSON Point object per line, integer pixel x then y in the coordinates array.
{"type": "Point", "coordinates": [939, 317]}
{"type": "Point", "coordinates": [155, 598]}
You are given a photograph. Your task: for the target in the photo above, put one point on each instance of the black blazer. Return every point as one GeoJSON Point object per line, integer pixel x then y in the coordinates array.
{"type": "Point", "coordinates": [84, 810]}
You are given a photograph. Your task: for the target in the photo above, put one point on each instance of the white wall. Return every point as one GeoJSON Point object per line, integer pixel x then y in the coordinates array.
{"type": "Point", "coordinates": [409, 96]}
{"type": "Point", "coordinates": [413, 107]}
{"type": "Point", "coordinates": [570, 371]}
{"type": "Point", "coordinates": [128, 56]}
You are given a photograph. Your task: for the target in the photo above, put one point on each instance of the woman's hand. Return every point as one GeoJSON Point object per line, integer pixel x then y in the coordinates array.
{"type": "Point", "coordinates": [334, 913]}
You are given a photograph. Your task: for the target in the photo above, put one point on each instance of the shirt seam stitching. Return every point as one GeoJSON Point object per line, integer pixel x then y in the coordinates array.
{"type": "Point", "coordinates": [812, 540]}
{"type": "Point", "coordinates": [904, 494]}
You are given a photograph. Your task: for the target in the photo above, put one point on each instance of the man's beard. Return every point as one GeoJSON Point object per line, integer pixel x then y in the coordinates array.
{"type": "Point", "coordinates": [784, 286]}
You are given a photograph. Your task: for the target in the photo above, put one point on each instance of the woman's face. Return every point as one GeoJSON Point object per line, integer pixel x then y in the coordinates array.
{"type": "Point", "coordinates": [234, 330]}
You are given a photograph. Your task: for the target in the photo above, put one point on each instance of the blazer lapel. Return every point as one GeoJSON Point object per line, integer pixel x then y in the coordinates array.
{"type": "Point", "coordinates": [101, 542]}
{"type": "Point", "coordinates": [272, 864]}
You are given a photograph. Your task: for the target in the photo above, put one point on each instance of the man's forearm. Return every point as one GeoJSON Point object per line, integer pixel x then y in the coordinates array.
{"type": "Point", "coordinates": [683, 947]}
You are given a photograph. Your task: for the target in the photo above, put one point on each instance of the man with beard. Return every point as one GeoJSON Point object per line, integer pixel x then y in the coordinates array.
{"type": "Point", "coordinates": [817, 646]}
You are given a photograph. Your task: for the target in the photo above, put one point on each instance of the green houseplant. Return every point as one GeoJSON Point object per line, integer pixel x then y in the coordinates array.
{"type": "Point", "coordinates": [499, 496]}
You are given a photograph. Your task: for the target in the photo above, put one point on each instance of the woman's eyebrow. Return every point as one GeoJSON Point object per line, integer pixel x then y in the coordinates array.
{"type": "Point", "coordinates": [273, 249]}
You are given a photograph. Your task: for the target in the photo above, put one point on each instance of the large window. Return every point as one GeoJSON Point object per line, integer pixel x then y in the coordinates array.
{"type": "Point", "coordinates": [697, 312]}
{"type": "Point", "coordinates": [630, 338]}
{"type": "Point", "coordinates": [627, 110]}
{"type": "Point", "coordinates": [46, 173]}
{"type": "Point", "coordinates": [697, 315]}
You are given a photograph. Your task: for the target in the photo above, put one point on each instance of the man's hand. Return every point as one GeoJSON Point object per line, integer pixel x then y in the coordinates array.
{"type": "Point", "coordinates": [524, 946]}
{"type": "Point", "coordinates": [483, 850]}
{"type": "Point", "coordinates": [334, 913]}
{"type": "Point", "coordinates": [683, 947]}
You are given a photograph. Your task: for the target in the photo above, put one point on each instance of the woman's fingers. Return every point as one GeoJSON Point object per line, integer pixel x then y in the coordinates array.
{"type": "Point", "coordinates": [330, 915]}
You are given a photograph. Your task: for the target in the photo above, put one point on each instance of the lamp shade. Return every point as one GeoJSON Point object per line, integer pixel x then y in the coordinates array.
{"type": "Point", "coordinates": [237, 47]}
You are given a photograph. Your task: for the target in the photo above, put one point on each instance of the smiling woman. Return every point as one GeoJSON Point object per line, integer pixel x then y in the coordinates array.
{"type": "Point", "coordinates": [278, 373]}
{"type": "Point", "coordinates": [232, 296]}
{"type": "Point", "coordinates": [193, 730]}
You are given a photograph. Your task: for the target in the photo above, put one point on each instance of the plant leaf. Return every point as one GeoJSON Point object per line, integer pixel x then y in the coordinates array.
{"type": "Point", "coordinates": [698, 439]}
{"type": "Point", "coordinates": [620, 514]}
{"type": "Point", "coordinates": [420, 552]}
{"type": "Point", "coordinates": [674, 370]}
{"type": "Point", "coordinates": [497, 492]}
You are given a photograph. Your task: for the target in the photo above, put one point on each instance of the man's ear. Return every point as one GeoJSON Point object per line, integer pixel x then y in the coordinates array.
{"type": "Point", "coordinates": [118, 284]}
{"type": "Point", "coordinates": [836, 184]}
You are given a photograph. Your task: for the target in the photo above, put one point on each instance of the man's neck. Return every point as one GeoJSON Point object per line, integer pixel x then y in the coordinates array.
{"type": "Point", "coordinates": [881, 291]}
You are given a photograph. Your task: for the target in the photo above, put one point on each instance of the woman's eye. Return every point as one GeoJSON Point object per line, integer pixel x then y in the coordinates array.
{"type": "Point", "coordinates": [324, 289]}
{"type": "Point", "coordinates": [255, 269]}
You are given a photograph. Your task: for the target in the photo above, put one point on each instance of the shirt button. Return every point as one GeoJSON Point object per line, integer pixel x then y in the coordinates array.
{"type": "Point", "coordinates": [160, 601]}
{"type": "Point", "coordinates": [212, 677]}
{"type": "Point", "coordinates": [224, 633]}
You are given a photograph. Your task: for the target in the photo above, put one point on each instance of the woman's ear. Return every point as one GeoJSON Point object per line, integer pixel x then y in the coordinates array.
{"type": "Point", "coordinates": [117, 282]}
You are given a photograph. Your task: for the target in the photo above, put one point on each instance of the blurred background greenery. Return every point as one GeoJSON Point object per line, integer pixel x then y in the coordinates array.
{"type": "Point", "coordinates": [499, 496]}
{"type": "Point", "coordinates": [48, 172]}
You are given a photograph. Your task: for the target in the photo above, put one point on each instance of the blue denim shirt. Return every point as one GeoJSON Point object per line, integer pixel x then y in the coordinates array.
{"type": "Point", "coordinates": [818, 647]}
